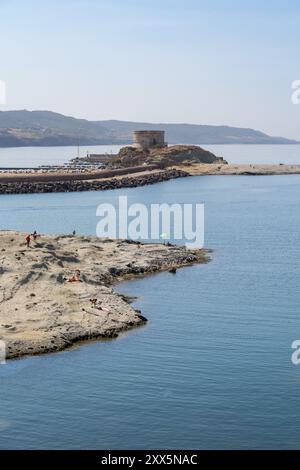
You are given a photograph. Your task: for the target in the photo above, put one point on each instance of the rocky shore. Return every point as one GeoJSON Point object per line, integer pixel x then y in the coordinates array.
{"type": "Point", "coordinates": [237, 169]}
{"type": "Point", "coordinates": [30, 185]}
{"type": "Point", "coordinates": [41, 311]}
{"type": "Point", "coordinates": [52, 183]}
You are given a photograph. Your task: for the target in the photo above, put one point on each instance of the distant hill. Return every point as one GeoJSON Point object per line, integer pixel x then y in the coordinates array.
{"type": "Point", "coordinates": [46, 128]}
{"type": "Point", "coordinates": [197, 133]}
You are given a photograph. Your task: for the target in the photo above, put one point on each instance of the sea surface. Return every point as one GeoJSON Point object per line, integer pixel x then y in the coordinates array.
{"type": "Point", "coordinates": [211, 369]}
{"type": "Point", "coordinates": [36, 156]}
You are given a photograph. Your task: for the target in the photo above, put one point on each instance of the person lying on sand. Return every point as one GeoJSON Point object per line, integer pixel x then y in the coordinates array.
{"type": "Point", "coordinates": [76, 277]}
{"type": "Point", "coordinates": [102, 307]}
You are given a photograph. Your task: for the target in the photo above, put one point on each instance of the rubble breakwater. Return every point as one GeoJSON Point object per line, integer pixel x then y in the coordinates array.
{"type": "Point", "coordinates": [66, 184]}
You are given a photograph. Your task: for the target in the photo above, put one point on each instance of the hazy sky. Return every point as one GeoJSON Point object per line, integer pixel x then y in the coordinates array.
{"type": "Point", "coordinates": [201, 61]}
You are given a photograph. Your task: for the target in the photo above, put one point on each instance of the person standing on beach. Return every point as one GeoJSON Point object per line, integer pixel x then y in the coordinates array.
{"type": "Point", "coordinates": [28, 238]}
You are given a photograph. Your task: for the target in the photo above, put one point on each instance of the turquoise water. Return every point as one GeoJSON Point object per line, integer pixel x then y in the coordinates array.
{"type": "Point", "coordinates": [212, 368]}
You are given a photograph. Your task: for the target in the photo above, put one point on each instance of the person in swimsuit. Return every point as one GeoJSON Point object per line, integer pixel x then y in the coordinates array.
{"type": "Point", "coordinates": [76, 277]}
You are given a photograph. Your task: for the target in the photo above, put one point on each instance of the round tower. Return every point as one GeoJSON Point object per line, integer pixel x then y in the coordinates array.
{"type": "Point", "coordinates": [149, 139]}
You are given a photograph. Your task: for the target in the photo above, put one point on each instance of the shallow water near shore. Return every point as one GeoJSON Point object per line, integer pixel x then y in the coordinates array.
{"type": "Point", "coordinates": [212, 368]}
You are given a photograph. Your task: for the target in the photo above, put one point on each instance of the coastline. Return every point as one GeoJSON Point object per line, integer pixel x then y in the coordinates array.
{"type": "Point", "coordinates": [42, 312]}
{"type": "Point", "coordinates": [30, 184]}
{"type": "Point", "coordinates": [14, 183]}
{"type": "Point", "coordinates": [203, 169]}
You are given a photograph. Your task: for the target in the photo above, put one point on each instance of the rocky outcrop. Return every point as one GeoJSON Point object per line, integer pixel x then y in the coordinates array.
{"type": "Point", "coordinates": [165, 156]}
{"type": "Point", "coordinates": [42, 312]}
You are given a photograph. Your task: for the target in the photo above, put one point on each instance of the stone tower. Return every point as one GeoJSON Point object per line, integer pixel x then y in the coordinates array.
{"type": "Point", "coordinates": [149, 139]}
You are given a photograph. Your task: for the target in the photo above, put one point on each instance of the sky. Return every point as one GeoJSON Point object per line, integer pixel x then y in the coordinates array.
{"type": "Point", "coordinates": [220, 62]}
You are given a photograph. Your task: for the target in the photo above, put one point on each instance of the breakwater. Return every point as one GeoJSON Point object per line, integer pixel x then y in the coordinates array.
{"type": "Point", "coordinates": [68, 183]}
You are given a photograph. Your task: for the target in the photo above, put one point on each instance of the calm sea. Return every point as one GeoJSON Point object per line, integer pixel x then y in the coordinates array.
{"type": "Point", "coordinates": [36, 156]}
{"type": "Point", "coordinates": [212, 368]}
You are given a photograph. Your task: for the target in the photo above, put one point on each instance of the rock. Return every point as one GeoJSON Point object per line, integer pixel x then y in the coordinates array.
{"type": "Point", "coordinates": [143, 319]}
{"type": "Point", "coordinates": [163, 156]}
{"type": "Point", "coordinates": [64, 312]}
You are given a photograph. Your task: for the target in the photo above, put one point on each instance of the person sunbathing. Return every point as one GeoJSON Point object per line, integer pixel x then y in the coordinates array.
{"type": "Point", "coordinates": [76, 277]}
{"type": "Point", "coordinates": [102, 307]}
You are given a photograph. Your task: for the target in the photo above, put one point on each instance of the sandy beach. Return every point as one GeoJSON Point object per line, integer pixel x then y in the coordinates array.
{"type": "Point", "coordinates": [41, 311]}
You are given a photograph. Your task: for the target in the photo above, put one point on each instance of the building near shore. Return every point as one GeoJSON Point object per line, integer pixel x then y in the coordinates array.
{"type": "Point", "coordinates": [149, 139]}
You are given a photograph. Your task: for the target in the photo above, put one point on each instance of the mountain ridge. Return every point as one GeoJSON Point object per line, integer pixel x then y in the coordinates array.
{"type": "Point", "coordinates": [47, 128]}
